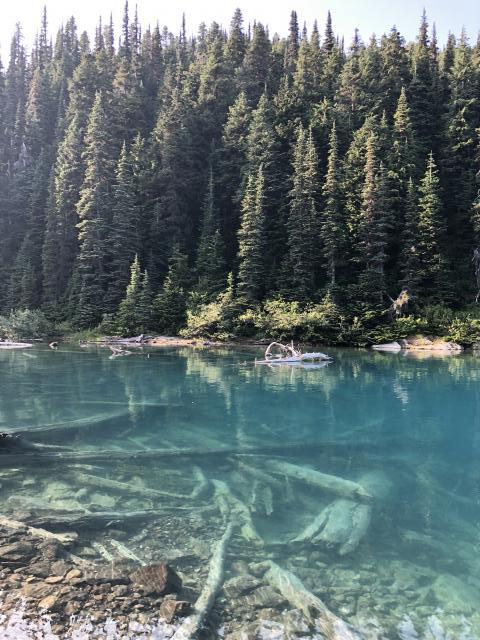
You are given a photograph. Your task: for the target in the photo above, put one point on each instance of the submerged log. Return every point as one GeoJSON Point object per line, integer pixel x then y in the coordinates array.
{"type": "Point", "coordinates": [33, 454]}
{"type": "Point", "coordinates": [96, 518]}
{"type": "Point", "coordinates": [259, 474]}
{"type": "Point", "coordinates": [125, 488]}
{"type": "Point", "coordinates": [194, 623]}
{"type": "Point", "coordinates": [238, 512]}
{"type": "Point", "coordinates": [326, 482]}
{"type": "Point", "coordinates": [292, 589]}
{"type": "Point", "coordinates": [125, 552]}
{"type": "Point", "coordinates": [346, 523]}
{"type": "Point", "coordinates": [203, 484]}
{"type": "Point", "coordinates": [103, 551]}
{"type": "Point", "coordinates": [342, 524]}
{"type": "Point", "coordinates": [63, 538]}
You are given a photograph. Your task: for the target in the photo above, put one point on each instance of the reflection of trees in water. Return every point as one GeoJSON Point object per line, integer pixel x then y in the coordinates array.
{"type": "Point", "coordinates": [388, 405]}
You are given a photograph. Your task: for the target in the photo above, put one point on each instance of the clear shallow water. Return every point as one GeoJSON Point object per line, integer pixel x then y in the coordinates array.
{"type": "Point", "coordinates": [406, 428]}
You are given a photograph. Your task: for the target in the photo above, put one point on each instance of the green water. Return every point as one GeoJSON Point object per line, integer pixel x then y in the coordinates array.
{"type": "Point", "coordinates": [407, 429]}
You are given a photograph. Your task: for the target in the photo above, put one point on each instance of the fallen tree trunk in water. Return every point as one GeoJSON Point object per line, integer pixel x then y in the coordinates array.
{"type": "Point", "coordinates": [344, 525]}
{"type": "Point", "coordinates": [125, 552]}
{"type": "Point", "coordinates": [35, 453]}
{"type": "Point", "coordinates": [124, 487]}
{"type": "Point", "coordinates": [239, 512]}
{"type": "Point", "coordinates": [63, 538]}
{"type": "Point", "coordinates": [194, 623]}
{"type": "Point", "coordinates": [324, 481]}
{"type": "Point", "coordinates": [90, 519]}
{"type": "Point", "coordinates": [293, 590]}
{"type": "Point", "coordinates": [259, 474]}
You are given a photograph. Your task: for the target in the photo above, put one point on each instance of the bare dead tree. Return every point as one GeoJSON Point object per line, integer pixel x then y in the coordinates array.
{"type": "Point", "coordinates": [400, 304]}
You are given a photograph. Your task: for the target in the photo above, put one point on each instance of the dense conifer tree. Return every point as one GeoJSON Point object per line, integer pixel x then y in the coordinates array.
{"type": "Point", "coordinates": [431, 230]}
{"type": "Point", "coordinates": [333, 221]}
{"type": "Point", "coordinates": [374, 228]}
{"type": "Point", "coordinates": [409, 257]}
{"type": "Point", "coordinates": [210, 264]}
{"type": "Point", "coordinates": [124, 239]}
{"type": "Point", "coordinates": [251, 252]}
{"type": "Point", "coordinates": [94, 210]}
{"type": "Point", "coordinates": [317, 157]}
{"type": "Point", "coordinates": [303, 219]}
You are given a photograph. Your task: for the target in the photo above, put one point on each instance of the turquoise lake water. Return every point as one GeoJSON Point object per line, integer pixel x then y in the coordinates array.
{"type": "Point", "coordinates": [407, 429]}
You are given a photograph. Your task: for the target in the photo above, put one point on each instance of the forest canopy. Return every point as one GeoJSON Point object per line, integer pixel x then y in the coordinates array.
{"type": "Point", "coordinates": [241, 183]}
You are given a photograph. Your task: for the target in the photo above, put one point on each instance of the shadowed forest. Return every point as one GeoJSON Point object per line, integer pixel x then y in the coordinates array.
{"type": "Point", "coordinates": [240, 183]}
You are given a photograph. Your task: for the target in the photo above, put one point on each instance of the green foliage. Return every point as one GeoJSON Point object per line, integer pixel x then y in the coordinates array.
{"type": "Point", "coordinates": [292, 162]}
{"type": "Point", "coordinates": [284, 320]}
{"type": "Point", "coordinates": [465, 331]}
{"type": "Point", "coordinates": [217, 319]}
{"type": "Point", "coordinates": [25, 324]}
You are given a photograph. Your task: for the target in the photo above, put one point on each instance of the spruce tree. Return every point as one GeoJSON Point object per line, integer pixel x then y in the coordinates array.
{"type": "Point", "coordinates": [303, 223]}
{"type": "Point", "coordinates": [251, 272]}
{"type": "Point", "coordinates": [124, 236]}
{"type": "Point", "coordinates": [170, 305]}
{"type": "Point", "coordinates": [409, 255]}
{"type": "Point", "coordinates": [231, 162]}
{"type": "Point", "coordinates": [332, 220]}
{"type": "Point", "coordinates": [236, 43]}
{"type": "Point", "coordinates": [126, 319]}
{"type": "Point", "coordinates": [254, 72]}
{"type": "Point", "coordinates": [94, 210]}
{"type": "Point", "coordinates": [374, 227]}
{"type": "Point", "coordinates": [144, 309]}
{"type": "Point", "coordinates": [210, 262]}
{"type": "Point", "coordinates": [433, 277]}
{"type": "Point", "coordinates": [61, 234]}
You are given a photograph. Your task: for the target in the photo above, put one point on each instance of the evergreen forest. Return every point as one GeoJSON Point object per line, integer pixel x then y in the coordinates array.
{"type": "Point", "coordinates": [241, 183]}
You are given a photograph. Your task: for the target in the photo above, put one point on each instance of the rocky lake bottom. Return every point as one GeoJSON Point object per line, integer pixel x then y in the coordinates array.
{"type": "Point", "coordinates": [340, 502]}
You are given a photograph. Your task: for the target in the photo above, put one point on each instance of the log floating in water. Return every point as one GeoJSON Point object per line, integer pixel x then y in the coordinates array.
{"type": "Point", "coordinates": [326, 482]}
